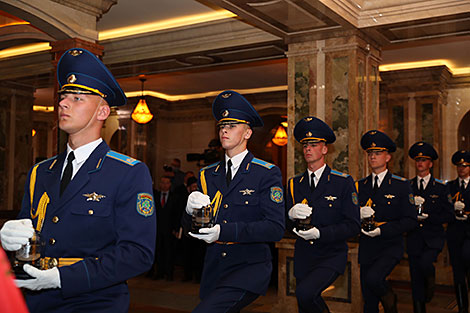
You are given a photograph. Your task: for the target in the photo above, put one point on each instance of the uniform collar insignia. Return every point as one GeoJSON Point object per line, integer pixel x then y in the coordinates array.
{"type": "Point", "coordinates": [389, 196]}
{"type": "Point", "coordinates": [331, 198]}
{"type": "Point", "coordinates": [93, 196]}
{"type": "Point", "coordinates": [247, 192]}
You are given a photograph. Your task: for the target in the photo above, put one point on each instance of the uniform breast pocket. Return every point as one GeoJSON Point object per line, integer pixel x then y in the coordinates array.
{"type": "Point", "coordinates": [326, 212]}
{"type": "Point", "coordinates": [93, 210]}
{"type": "Point", "coordinates": [91, 224]}
{"type": "Point", "coordinates": [247, 208]}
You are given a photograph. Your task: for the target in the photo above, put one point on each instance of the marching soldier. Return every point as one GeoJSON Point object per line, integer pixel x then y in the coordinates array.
{"type": "Point", "coordinates": [246, 196]}
{"type": "Point", "coordinates": [93, 206]}
{"type": "Point", "coordinates": [425, 242]}
{"type": "Point", "coordinates": [329, 200]}
{"type": "Point", "coordinates": [458, 230]}
{"type": "Point", "coordinates": [389, 200]}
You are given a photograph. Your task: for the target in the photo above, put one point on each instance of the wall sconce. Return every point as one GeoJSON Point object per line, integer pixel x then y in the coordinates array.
{"type": "Point", "coordinates": [141, 112]}
{"type": "Point", "coordinates": [280, 137]}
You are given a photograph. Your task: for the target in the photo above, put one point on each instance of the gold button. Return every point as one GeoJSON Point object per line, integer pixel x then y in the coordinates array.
{"type": "Point", "coordinates": [225, 206]}
{"type": "Point", "coordinates": [388, 202]}
{"type": "Point", "coordinates": [373, 204]}
{"type": "Point", "coordinates": [246, 202]}
{"type": "Point", "coordinates": [224, 254]}
{"type": "Point", "coordinates": [90, 212]}
{"type": "Point", "coordinates": [55, 220]}
{"type": "Point", "coordinates": [330, 205]}
{"type": "Point", "coordinates": [52, 241]}
{"type": "Point", "coordinates": [311, 242]}
{"type": "Point", "coordinates": [224, 221]}
{"type": "Point", "coordinates": [420, 225]}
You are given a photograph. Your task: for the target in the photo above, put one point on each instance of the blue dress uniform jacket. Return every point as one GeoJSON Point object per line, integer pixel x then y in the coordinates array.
{"type": "Point", "coordinates": [394, 206]}
{"type": "Point", "coordinates": [430, 232]}
{"type": "Point", "coordinates": [336, 215]}
{"type": "Point", "coordinates": [250, 213]}
{"type": "Point", "coordinates": [105, 216]}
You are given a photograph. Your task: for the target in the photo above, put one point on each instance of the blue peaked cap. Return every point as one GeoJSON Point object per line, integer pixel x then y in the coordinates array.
{"type": "Point", "coordinates": [312, 129]}
{"type": "Point", "coordinates": [376, 140]}
{"type": "Point", "coordinates": [230, 107]}
{"type": "Point", "coordinates": [422, 149]}
{"type": "Point", "coordinates": [80, 71]}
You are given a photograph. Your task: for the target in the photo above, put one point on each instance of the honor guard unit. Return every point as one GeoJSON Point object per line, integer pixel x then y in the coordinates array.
{"type": "Point", "coordinates": [93, 206]}
{"type": "Point", "coordinates": [458, 230]}
{"type": "Point", "coordinates": [389, 200]}
{"type": "Point", "coordinates": [323, 204]}
{"type": "Point", "coordinates": [245, 197]}
{"type": "Point", "coordinates": [425, 242]}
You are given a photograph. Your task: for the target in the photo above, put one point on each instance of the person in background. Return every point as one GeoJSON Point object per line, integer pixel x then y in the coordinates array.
{"type": "Point", "coordinates": [329, 199]}
{"type": "Point", "coordinates": [93, 206]}
{"type": "Point", "coordinates": [425, 241]}
{"type": "Point", "coordinates": [458, 230]}
{"type": "Point", "coordinates": [389, 199]}
{"type": "Point", "coordinates": [11, 299]}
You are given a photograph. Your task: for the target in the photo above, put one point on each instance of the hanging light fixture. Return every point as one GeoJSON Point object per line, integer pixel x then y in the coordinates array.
{"type": "Point", "coordinates": [141, 112]}
{"type": "Point", "coordinates": [280, 137]}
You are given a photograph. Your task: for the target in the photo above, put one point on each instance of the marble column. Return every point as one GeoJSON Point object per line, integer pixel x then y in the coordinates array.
{"type": "Point", "coordinates": [16, 103]}
{"type": "Point", "coordinates": [58, 48]}
{"type": "Point", "coordinates": [336, 80]}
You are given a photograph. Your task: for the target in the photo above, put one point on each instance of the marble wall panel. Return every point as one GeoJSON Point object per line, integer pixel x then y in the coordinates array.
{"type": "Point", "coordinates": [398, 136]}
{"type": "Point", "coordinates": [427, 124]}
{"type": "Point", "coordinates": [302, 106]}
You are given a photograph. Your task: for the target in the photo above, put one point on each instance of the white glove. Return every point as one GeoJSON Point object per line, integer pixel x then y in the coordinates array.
{"type": "Point", "coordinates": [47, 279]}
{"type": "Point", "coordinates": [299, 211]}
{"type": "Point", "coordinates": [419, 200]}
{"type": "Point", "coordinates": [459, 205]}
{"type": "Point", "coordinates": [366, 212]}
{"type": "Point", "coordinates": [310, 234]}
{"type": "Point", "coordinates": [461, 218]}
{"type": "Point", "coordinates": [16, 233]}
{"type": "Point", "coordinates": [423, 216]}
{"type": "Point", "coordinates": [209, 235]}
{"type": "Point", "coordinates": [372, 233]}
{"type": "Point", "coordinates": [197, 200]}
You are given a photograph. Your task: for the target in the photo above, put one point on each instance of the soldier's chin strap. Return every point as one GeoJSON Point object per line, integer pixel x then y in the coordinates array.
{"type": "Point", "coordinates": [42, 204]}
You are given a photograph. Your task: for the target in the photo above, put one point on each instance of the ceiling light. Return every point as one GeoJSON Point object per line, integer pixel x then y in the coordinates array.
{"type": "Point", "coordinates": [280, 137]}
{"type": "Point", "coordinates": [141, 112]}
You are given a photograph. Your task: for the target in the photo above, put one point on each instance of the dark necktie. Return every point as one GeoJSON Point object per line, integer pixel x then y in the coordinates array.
{"type": "Point", "coordinates": [67, 175]}
{"type": "Point", "coordinates": [462, 186]}
{"type": "Point", "coordinates": [421, 185]}
{"type": "Point", "coordinates": [376, 183]}
{"type": "Point", "coordinates": [229, 172]}
{"type": "Point", "coordinates": [163, 198]}
{"type": "Point", "coordinates": [312, 182]}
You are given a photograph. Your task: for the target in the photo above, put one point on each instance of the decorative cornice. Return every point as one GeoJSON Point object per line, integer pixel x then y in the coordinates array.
{"type": "Point", "coordinates": [92, 7]}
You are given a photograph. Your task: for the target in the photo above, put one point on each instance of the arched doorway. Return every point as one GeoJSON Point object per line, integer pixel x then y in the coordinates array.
{"type": "Point", "coordinates": [463, 138]}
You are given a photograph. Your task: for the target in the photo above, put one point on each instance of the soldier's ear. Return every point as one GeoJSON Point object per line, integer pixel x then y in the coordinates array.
{"type": "Point", "coordinates": [388, 157]}
{"type": "Point", "coordinates": [248, 133]}
{"type": "Point", "coordinates": [103, 112]}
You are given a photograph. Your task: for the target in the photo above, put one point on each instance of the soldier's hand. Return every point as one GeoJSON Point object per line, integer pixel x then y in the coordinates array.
{"type": "Point", "coordinates": [209, 235]}
{"type": "Point", "coordinates": [423, 216]}
{"type": "Point", "coordinates": [366, 212]}
{"type": "Point", "coordinates": [310, 234]}
{"type": "Point", "coordinates": [299, 211]}
{"type": "Point", "coordinates": [372, 233]}
{"type": "Point", "coordinates": [459, 205]}
{"type": "Point", "coordinates": [197, 200]}
{"type": "Point", "coordinates": [419, 200]}
{"type": "Point", "coordinates": [16, 233]}
{"type": "Point", "coordinates": [42, 279]}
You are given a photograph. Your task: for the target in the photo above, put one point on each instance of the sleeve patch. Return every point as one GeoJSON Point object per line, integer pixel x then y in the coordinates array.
{"type": "Point", "coordinates": [354, 198]}
{"type": "Point", "coordinates": [412, 199]}
{"type": "Point", "coordinates": [276, 194]}
{"type": "Point", "coordinates": [145, 204]}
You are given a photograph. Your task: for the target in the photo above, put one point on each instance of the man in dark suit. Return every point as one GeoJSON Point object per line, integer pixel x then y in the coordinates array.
{"type": "Point", "coordinates": [389, 198]}
{"type": "Point", "coordinates": [425, 242]}
{"type": "Point", "coordinates": [458, 230]}
{"type": "Point", "coordinates": [329, 200]}
{"type": "Point", "coordinates": [246, 196]}
{"type": "Point", "coordinates": [168, 209]}
{"type": "Point", "coordinates": [93, 206]}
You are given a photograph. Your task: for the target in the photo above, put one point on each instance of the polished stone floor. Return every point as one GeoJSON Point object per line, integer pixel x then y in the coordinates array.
{"type": "Point", "coordinates": [161, 296]}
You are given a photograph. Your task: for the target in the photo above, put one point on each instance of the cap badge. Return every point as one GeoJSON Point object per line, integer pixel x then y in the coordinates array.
{"type": "Point", "coordinates": [462, 160]}
{"type": "Point", "coordinates": [420, 144]}
{"type": "Point", "coordinates": [373, 132]}
{"type": "Point", "coordinates": [226, 95]}
{"type": "Point", "coordinates": [75, 52]}
{"type": "Point", "coordinates": [71, 79]}
{"type": "Point", "coordinates": [309, 134]}
{"type": "Point", "coordinates": [308, 119]}
{"type": "Point", "coordinates": [420, 154]}
{"type": "Point", "coordinates": [225, 113]}
{"type": "Point", "coordinates": [373, 144]}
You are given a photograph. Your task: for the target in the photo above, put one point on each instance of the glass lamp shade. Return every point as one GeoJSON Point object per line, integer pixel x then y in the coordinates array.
{"type": "Point", "coordinates": [280, 137]}
{"type": "Point", "coordinates": [141, 112]}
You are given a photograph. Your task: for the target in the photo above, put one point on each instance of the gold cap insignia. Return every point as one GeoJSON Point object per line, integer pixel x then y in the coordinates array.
{"type": "Point", "coordinates": [462, 160]}
{"type": "Point", "coordinates": [373, 144]}
{"type": "Point", "coordinates": [420, 144]}
{"type": "Point", "coordinates": [71, 79]}
{"type": "Point", "coordinates": [373, 132]}
{"type": "Point", "coordinates": [308, 119]}
{"type": "Point", "coordinates": [420, 154]}
{"type": "Point", "coordinates": [75, 53]}
{"type": "Point", "coordinates": [225, 113]}
{"type": "Point", "coordinates": [226, 95]}
{"type": "Point", "coordinates": [309, 134]}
